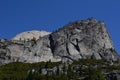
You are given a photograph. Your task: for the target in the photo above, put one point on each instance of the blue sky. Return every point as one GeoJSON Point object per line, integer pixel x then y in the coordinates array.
{"type": "Point", "coordinates": [23, 15]}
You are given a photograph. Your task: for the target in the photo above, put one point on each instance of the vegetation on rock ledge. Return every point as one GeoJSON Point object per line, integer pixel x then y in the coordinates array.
{"type": "Point", "coordinates": [88, 69]}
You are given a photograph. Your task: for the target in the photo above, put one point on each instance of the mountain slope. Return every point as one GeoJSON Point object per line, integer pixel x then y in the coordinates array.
{"type": "Point", "coordinates": [85, 39]}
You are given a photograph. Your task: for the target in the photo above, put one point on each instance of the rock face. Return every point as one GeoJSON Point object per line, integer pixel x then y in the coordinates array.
{"type": "Point", "coordinates": [28, 35]}
{"type": "Point", "coordinates": [84, 39]}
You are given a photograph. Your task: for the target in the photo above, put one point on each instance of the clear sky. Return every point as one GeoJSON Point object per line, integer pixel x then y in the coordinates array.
{"type": "Point", "coordinates": [23, 15]}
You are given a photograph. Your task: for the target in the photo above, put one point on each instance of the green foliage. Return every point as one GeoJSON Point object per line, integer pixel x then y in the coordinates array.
{"type": "Point", "coordinates": [19, 71]}
{"type": "Point", "coordinates": [94, 74]}
{"type": "Point", "coordinates": [14, 71]}
{"type": "Point", "coordinates": [90, 62]}
{"type": "Point", "coordinates": [89, 68]}
{"type": "Point", "coordinates": [113, 67]}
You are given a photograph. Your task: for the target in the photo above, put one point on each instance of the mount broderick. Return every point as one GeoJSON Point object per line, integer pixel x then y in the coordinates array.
{"type": "Point", "coordinates": [84, 39]}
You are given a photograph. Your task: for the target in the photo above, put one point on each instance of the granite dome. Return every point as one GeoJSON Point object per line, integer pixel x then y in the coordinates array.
{"type": "Point", "coordinates": [28, 35]}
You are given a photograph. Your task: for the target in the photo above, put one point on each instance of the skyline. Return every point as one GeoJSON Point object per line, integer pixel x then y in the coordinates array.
{"type": "Point", "coordinates": [25, 15]}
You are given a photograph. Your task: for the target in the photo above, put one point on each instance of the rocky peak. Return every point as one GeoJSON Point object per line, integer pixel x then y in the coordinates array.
{"type": "Point", "coordinates": [84, 39]}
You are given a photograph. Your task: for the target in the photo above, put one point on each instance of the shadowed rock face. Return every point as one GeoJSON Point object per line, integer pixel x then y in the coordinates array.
{"type": "Point", "coordinates": [84, 39]}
